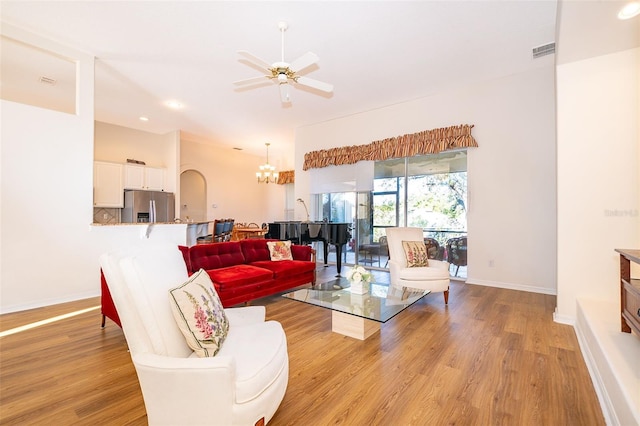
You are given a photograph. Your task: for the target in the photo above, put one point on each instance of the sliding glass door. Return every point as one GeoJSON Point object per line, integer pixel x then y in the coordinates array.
{"type": "Point", "coordinates": [429, 192]}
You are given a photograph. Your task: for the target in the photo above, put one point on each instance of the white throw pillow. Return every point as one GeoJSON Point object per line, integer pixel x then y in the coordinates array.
{"type": "Point", "coordinates": [199, 314]}
{"type": "Point", "coordinates": [280, 250]}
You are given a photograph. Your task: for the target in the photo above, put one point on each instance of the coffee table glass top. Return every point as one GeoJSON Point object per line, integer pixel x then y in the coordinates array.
{"type": "Point", "coordinates": [381, 303]}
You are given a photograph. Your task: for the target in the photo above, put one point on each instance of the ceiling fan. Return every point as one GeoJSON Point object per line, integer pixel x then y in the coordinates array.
{"type": "Point", "coordinates": [284, 73]}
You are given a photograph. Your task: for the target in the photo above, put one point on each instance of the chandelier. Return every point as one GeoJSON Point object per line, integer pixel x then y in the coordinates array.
{"type": "Point", "coordinates": [267, 172]}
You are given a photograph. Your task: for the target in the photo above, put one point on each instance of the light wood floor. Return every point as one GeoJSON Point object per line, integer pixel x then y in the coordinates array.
{"type": "Point", "coordinates": [492, 357]}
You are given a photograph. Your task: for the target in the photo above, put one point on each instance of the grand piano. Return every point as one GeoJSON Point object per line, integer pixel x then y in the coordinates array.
{"type": "Point", "coordinates": [306, 232]}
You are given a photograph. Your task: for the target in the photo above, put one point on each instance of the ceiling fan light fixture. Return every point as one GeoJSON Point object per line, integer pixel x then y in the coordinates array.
{"type": "Point", "coordinates": [284, 93]}
{"type": "Point", "coordinates": [281, 72]}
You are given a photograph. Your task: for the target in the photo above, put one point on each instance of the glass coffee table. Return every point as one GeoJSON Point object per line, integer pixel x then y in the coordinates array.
{"type": "Point", "coordinates": [358, 315]}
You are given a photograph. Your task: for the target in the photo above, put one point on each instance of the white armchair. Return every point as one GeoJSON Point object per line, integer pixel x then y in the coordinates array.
{"type": "Point", "coordinates": [242, 385]}
{"type": "Point", "coordinates": [434, 277]}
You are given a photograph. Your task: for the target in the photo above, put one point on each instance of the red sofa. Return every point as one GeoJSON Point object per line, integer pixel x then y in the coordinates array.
{"type": "Point", "coordinates": [241, 271]}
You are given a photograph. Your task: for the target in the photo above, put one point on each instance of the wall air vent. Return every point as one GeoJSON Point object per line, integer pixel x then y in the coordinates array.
{"type": "Point", "coordinates": [545, 49]}
{"type": "Point", "coordinates": [48, 81]}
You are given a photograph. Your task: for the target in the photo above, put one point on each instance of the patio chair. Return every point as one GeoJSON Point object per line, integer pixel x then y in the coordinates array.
{"type": "Point", "coordinates": [434, 250]}
{"type": "Point", "coordinates": [457, 252]}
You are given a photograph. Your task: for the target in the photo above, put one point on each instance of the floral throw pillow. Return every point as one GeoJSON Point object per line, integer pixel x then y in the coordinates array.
{"type": "Point", "coordinates": [416, 253]}
{"type": "Point", "coordinates": [199, 314]}
{"type": "Point", "coordinates": [280, 250]}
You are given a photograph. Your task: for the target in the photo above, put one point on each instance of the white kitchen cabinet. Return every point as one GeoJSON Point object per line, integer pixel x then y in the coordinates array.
{"type": "Point", "coordinates": [154, 178]}
{"type": "Point", "coordinates": [143, 177]}
{"type": "Point", "coordinates": [133, 177]}
{"type": "Point", "coordinates": [108, 185]}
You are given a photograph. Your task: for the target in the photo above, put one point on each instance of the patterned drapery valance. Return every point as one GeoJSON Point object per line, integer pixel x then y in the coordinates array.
{"type": "Point", "coordinates": [421, 143]}
{"type": "Point", "coordinates": [288, 176]}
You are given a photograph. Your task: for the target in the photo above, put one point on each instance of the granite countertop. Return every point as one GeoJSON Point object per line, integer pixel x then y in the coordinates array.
{"type": "Point", "coordinates": [153, 223]}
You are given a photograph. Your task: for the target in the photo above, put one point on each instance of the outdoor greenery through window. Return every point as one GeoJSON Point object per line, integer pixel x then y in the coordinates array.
{"type": "Point", "coordinates": [436, 195]}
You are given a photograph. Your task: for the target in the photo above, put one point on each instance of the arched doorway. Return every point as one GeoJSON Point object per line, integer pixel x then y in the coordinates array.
{"type": "Point", "coordinates": [193, 196]}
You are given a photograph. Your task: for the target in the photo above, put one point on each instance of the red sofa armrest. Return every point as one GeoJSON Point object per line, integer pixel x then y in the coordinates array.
{"type": "Point", "coordinates": [299, 252]}
{"type": "Point", "coordinates": [107, 307]}
{"type": "Point", "coordinates": [187, 259]}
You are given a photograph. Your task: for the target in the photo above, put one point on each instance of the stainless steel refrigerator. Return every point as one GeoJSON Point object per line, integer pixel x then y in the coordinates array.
{"type": "Point", "coordinates": [148, 206]}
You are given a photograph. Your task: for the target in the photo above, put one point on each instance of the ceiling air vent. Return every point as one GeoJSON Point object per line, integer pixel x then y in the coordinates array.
{"type": "Point", "coordinates": [545, 49]}
{"type": "Point", "coordinates": [47, 80]}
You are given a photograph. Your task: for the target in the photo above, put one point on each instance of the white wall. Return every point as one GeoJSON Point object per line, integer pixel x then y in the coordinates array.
{"type": "Point", "coordinates": [598, 175]}
{"type": "Point", "coordinates": [46, 195]}
{"type": "Point", "coordinates": [48, 248]}
{"type": "Point", "coordinates": [512, 195]}
{"type": "Point", "coordinates": [47, 203]}
{"type": "Point", "coordinates": [231, 184]}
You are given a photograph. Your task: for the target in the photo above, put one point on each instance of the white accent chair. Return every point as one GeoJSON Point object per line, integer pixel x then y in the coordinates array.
{"type": "Point", "coordinates": [434, 277]}
{"type": "Point", "coordinates": [243, 384]}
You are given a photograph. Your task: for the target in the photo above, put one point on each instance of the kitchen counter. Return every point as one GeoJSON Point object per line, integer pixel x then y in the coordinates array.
{"type": "Point", "coordinates": [188, 232]}
{"type": "Point", "coordinates": [154, 223]}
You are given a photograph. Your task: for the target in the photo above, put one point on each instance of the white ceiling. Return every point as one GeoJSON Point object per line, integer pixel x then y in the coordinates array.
{"type": "Point", "coordinates": [375, 53]}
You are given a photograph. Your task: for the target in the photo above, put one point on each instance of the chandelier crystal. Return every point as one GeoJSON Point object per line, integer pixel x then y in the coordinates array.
{"type": "Point", "coordinates": [267, 173]}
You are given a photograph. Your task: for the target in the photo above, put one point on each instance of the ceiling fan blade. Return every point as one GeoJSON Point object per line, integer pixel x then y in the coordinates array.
{"type": "Point", "coordinates": [284, 93]}
{"type": "Point", "coordinates": [304, 61]}
{"type": "Point", "coordinates": [257, 61]}
{"type": "Point", "coordinates": [315, 84]}
{"type": "Point", "coordinates": [252, 80]}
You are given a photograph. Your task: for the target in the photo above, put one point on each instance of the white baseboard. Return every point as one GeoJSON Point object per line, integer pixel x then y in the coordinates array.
{"type": "Point", "coordinates": [563, 319]}
{"type": "Point", "coordinates": [49, 302]}
{"type": "Point", "coordinates": [611, 358]}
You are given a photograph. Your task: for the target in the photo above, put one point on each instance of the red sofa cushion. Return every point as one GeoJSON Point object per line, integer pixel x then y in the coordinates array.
{"type": "Point", "coordinates": [239, 275]}
{"type": "Point", "coordinates": [215, 255]}
{"type": "Point", "coordinates": [286, 268]}
{"type": "Point", "coordinates": [255, 249]}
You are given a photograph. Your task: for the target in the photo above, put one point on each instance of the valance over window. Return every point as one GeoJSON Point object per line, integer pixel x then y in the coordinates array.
{"type": "Point", "coordinates": [421, 143]}
{"type": "Point", "coordinates": [288, 176]}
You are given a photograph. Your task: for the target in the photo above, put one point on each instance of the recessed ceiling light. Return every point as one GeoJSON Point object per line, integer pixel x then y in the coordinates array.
{"type": "Point", "coordinates": [174, 104]}
{"type": "Point", "coordinates": [144, 118]}
{"type": "Point", "coordinates": [629, 11]}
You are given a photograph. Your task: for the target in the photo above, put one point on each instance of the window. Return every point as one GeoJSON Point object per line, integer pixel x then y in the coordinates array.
{"type": "Point", "coordinates": [338, 207]}
{"type": "Point", "coordinates": [429, 192]}
{"type": "Point", "coordinates": [386, 204]}
{"type": "Point", "coordinates": [435, 198]}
